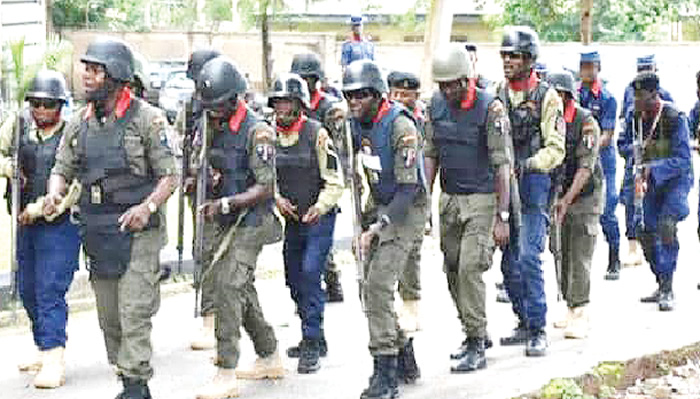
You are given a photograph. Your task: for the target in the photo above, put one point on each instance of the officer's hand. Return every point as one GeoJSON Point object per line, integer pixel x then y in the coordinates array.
{"type": "Point", "coordinates": [216, 177]}
{"type": "Point", "coordinates": [367, 237]}
{"type": "Point", "coordinates": [501, 233]}
{"type": "Point", "coordinates": [210, 209]}
{"type": "Point", "coordinates": [135, 218]}
{"type": "Point", "coordinates": [51, 202]}
{"type": "Point", "coordinates": [286, 208]}
{"type": "Point", "coordinates": [190, 184]}
{"type": "Point", "coordinates": [560, 209]}
{"type": "Point", "coordinates": [25, 219]}
{"type": "Point", "coordinates": [312, 216]}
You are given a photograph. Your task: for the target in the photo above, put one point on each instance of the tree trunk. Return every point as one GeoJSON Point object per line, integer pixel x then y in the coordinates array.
{"type": "Point", "coordinates": [266, 46]}
{"type": "Point", "coordinates": [438, 32]}
{"type": "Point", "coordinates": [49, 18]}
{"type": "Point", "coordinates": [586, 21]}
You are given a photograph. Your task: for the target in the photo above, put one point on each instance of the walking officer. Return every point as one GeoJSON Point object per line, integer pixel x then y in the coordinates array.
{"type": "Point", "coordinates": [578, 205]}
{"type": "Point", "coordinates": [538, 132]}
{"type": "Point", "coordinates": [481, 81]}
{"type": "Point", "coordinates": [404, 89]}
{"type": "Point", "coordinates": [308, 66]}
{"type": "Point", "coordinates": [309, 183]}
{"type": "Point", "coordinates": [47, 246]}
{"type": "Point", "coordinates": [386, 136]}
{"type": "Point", "coordinates": [357, 47]}
{"type": "Point", "coordinates": [594, 96]}
{"type": "Point", "coordinates": [117, 148]}
{"type": "Point", "coordinates": [666, 180]}
{"type": "Point", "coordinates": [187, 125]}
{"type": "Point", "coordinates": [240, 204]}
{"type": "Point", "coordinates": [467, 140]}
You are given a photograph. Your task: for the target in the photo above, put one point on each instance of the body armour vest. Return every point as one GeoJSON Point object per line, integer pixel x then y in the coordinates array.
{"type": "Point", "coordinates": [574, 135]}
{"type": "Point", "coordinates": [36, 161]}
{"type": "Point", "coordinates": [379, 138]}
{"type": "Point", "coordinates": [525, 121]}
{"type": "Point", "coordinates": [298, 175]}
{"type": "Point", "coordinates": [461, 138]}
{"type": "Point", "coordinates": [109, 188]}
{"type": "Point", "coordinates": [229, 155]}
{"type": "Point", "coordinates": [659, 144]}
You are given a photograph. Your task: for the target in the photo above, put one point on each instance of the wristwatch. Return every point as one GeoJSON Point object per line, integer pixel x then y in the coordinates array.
{"type": "Point", "coordinates": [152, 207]}
{"type": "Point", "coordinates": [225, 206]}
{"type": "Point", "coordinates": [504, 216]}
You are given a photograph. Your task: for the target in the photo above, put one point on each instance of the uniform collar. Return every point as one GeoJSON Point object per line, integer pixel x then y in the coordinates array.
{"type": "Point", "coordinates": [470, 96]}
{"type": "Point", "coordinates": [355, 38]}
{"type": "Point", "coordinates": [524, 84]}
{"type": "Point", "coordinates": [596, 87]}
{"type": "Point", "coordinates": [382, 111]}
{"type": "Point", "coordinates": [235, 121]}
{"type": "Point", "coordinates": [316, 97]}
{"type": "Point", "coordinates": [569, 111]}
{"type": "Point", "coordinates": [294, 127]}
{"type": "Point", "coordinates": [41, 135]}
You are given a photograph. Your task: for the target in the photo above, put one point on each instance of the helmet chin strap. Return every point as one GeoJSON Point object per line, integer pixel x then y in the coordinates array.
{"type": "Point", "coordinates": [103, 96]}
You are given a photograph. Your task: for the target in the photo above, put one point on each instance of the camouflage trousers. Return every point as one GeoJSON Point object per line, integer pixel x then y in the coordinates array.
{"type": "Point", "coordinates": [409, 282]}
{"type": "Point", "coordinates": [126, 305]}
{"type": "Point", "coordinates": [387, 261]}
{"type": "Point", "coordinates": [578, 239]}
{"type": "Point", "coordinates": [235, 296]}
{"type": "Point", "coordinates": [466, 240]}
{"type": "Point", "coordinates": [213, 233]}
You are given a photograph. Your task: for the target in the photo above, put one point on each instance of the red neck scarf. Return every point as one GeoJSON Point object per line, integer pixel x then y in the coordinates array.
{"type": "Point", "coordinates": [418, 113]}
{"type": "Point", "coordinates": [294, 127]}
{"type": "Point", "coordinates": [524, 84]}
{"type": "Point", "coordinates": [569, 111]}
{"type": "Point", "coordinates": [315, 99]}
{"type": "Point", "coordinates": [470, 96]}
{"type": "Point", "coordinates": [123, 103]}
{"type": "Point", "coordinates": [382, 111]}
{"type": "Point", "coordinates": [235, 121]}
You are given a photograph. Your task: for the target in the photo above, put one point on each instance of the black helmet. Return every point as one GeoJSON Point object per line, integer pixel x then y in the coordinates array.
{"type": "Point", "coordinates": [289, 85]}
{"type": "Point", "coordinates": [363, 74]}
{"type": "Point", "coordinates": [219, 81]}
{"type": "Point", "coordinates": [403, 80]}
{"type": "Point", "coordinates": [115, 55]}
{"type": "Point", "coordinates": [307, 65]}
{"type": "Point", "coordinates": [521, 39]}
{"type": "Point", "coordinates": [562, 80]}
{"type": "Point", "coordinates": [197, 60]}
{"type": "Point", "coordinates": [48, 84]}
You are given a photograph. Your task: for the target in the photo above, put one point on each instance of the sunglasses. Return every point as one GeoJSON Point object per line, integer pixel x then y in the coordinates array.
{"type": "Point", "coordinates": [48, 103]}
{"type": "Point", "coordinates": [358, 94]}
{"type": "Point", "coordinates": [512, 54]}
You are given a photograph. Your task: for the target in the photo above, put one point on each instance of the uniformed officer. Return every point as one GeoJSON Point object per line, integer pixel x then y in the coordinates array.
{"type": "Point", "coordinates": [404, 88]}
{"type": "Point", "coordinates": [667, 178]}
{"type": "Point", "coordinates": [467, 140]}
{"type": "Point", "coordinates": [694, 116]}
{"type": "Point", "coordinates": [481, 81]}
{"type": "Point", "coordinates": [594, 96]}
{"type": "Point", "coordinates": [47, 246]}
{"type": "Point", "coordinates": [309, 184]}
{"type": "Point", "coordinates": [386, 136]}
{"type": "Point", "coordinates": [541, 71]}
{"type": "Point", "coordinates": [538, 132]}
{"type": "Point", "coordinates": [240, 203]}
{"type": "Point", "coordinates": [579, 205]}
{"type": "Point", "coordinates": [634, 258]}
{"type": "Point", "coordinates": [357, 47]}
{"type": "Point", "coordinates": [308, 66]}
{"type": "Point", "coordinates": [117, 148]}
{"type": "Point", "coordinates": [187, 124]}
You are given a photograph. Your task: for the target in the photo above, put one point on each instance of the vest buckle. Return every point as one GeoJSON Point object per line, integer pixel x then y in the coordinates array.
{"type": "Point", "coordinates": [95, 194]}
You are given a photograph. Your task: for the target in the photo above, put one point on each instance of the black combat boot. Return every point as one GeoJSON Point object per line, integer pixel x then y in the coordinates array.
{"type": "Point", "coordinates": [536, 344]}
{"type": "Point", "coordinates": [407, 370]}
{"type": "Point", "coordinates": [383, 383]}
{"type": "Point", "coordinates": [309, 356]}
{"type": "Point", "coordinates": [134, 389]}
{"type": "Point", "coordinates": [518, 337]}
{"type": "Point", "coordinates": [474, 358]}
{"type": "Point", "coordinates": [654, 297]}
{"type": "Point", "coordinates": [334, 291]}
{"type": "Point", "coordinates": [501, 293]}
{"type": "Point", "coordinates": [666, 297]}
{"type": "Point", "coordinates": [613, 264]}
{"type": "Point", "coordinates": [295, 351]}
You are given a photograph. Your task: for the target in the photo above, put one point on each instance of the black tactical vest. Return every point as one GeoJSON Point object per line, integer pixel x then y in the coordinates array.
{"type": "Point", "coordinates": [525, 121]}
{"type": "Point", "coordinates": [109, 188]}
{"type": "Point", "coordinates": [298, 176]}
{"type": "Point", "coordinates": [659, 145]}
{"type": "Point", "coordinates": [229, 155]}
{"type": "Point", "coordinates": [36, 161]}
{"type": "Point", "coordinates": [461, 139]}
{"type": "Point", "coordinates": [574, 135]}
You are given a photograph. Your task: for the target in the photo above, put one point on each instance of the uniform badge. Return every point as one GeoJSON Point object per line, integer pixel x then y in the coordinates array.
{"type": "Point", "coordinates": [588, 141]}
{"type": "Point", "coordinates": [265, 152]}
{"type": "Point", "coordinates": [560, 125]}
{"type": "Point", "coordinates": [95, 194]}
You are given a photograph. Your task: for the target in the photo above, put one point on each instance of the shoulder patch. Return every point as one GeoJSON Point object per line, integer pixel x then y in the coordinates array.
{"type": "Point", "coordinates": [560, 125]}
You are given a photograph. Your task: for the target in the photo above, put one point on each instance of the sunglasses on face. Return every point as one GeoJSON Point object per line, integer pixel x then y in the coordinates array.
{"type": "Point", "coordinates": [512, 55]}
{"type": "Point", "coordinates": [47, 103]}
{"type": "Point", "coordinates": [358, 94]}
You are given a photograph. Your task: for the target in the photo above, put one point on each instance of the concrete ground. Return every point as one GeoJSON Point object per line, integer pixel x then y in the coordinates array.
{"type": "Point", "coordinates": [623, 328]}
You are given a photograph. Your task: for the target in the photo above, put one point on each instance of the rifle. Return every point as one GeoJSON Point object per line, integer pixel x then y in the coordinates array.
{"type": "Point", "coordinates": [200, 197]}
{"type": "Point", "coordinates": [356, 201]}
{"type": "Point", "coordinates": [638, 143]}
{"type": "Point", "coordinates": [16, 185]}
{"type": "Point", "coordinates": [187, 140]}
{"type": "Point", "coordinates": [555, 243]}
